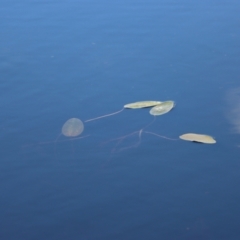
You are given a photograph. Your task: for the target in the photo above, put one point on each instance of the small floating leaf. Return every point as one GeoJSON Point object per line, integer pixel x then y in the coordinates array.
{"type": "Point", "coordinates": [72, 127]}
{"type": "Point", "coordinates": [142, 104]}
{"type": "Point", "coordinates": [162, 108]}
{"type": "Point", "coordinates": [198, 138]}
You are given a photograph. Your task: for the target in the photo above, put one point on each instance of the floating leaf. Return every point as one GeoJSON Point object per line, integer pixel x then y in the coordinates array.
{"type": "Point", "coordinates": [162, 108]}
{"type": "Point", "coordinates": [142, 104]}
{"type": "Point", "coordinates": [72, 127]}
{"type": "Point", "coordinates": [198, 138]}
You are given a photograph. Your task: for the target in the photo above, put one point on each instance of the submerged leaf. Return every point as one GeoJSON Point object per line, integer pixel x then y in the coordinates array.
{"type": "Point", "coordinates": [162, 108]}
{"type": "Point", "coordinates": [142, 104]}
{"type": "Point", "coordinates": [72, 127]}
{"type": "Point", "coordinates": [198, 138]}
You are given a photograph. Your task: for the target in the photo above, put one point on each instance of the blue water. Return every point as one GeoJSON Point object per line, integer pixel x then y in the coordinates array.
{"type": "Point", "coordinates": [64, 59]}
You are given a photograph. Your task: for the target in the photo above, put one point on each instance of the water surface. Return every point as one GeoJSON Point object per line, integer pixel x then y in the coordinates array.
{"type": "Point", "coordinates": [83, 59]}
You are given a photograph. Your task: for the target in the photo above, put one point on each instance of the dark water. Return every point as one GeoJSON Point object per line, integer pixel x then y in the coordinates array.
{"type": "Point", "coordinates": [64, 59]}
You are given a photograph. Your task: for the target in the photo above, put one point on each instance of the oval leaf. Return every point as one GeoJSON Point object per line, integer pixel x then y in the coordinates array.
{"type": "Point", "coordinates": [72, 127]}
{"type": "Point", "coordinates": [142, 104]}
{"type": "Point", "coordinates": [198, 138]}
{"type": "Point", "coordinates": [162, 108]}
